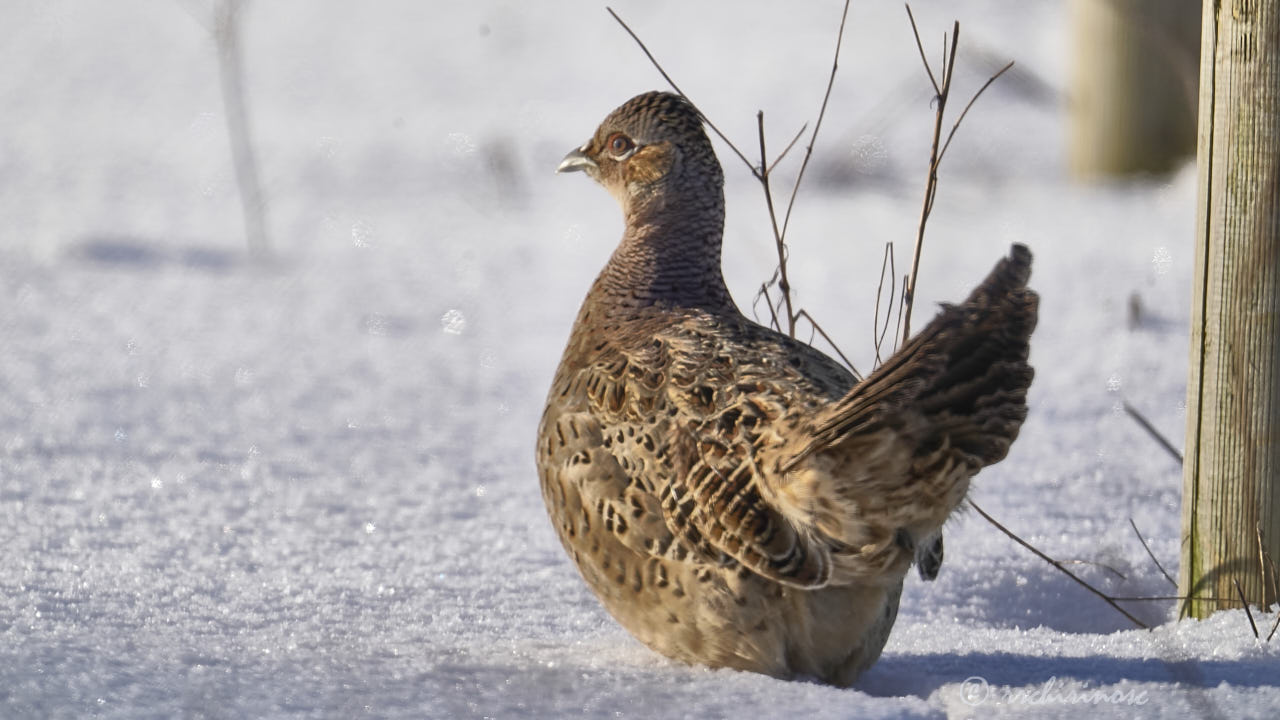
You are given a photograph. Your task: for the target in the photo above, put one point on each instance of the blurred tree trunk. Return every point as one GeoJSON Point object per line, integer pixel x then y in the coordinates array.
{"type": "Point", "coordinates": [226, 33]}
{"type": "Point", "coordinates": [1133, 86]}
{"type": "Point", "coordinates": [1231, 493]}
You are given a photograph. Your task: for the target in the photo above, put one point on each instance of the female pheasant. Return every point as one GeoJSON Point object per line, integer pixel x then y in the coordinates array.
{"type": "Point", "coordinates": [735, 497]}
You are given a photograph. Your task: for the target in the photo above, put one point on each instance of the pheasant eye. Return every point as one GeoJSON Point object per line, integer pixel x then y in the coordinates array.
{"type": "Point", "coordinates": [620, 144]}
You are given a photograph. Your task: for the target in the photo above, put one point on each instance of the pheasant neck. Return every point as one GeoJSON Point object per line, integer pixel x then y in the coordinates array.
{"type": "Point", "coordinates": [670, 259]}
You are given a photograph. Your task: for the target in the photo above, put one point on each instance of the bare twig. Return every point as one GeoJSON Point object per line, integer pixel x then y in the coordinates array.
{"type": "Point", "coordinates": [675, 87]}
{"type": "Point", "coordinates": [1151, 430]}
{"type": "Point", "coordinates": [1266, 563]}
{"type": "Point", "coordinates": [1262, 559]}
{"type": "Point", "coordinates": [1096, 564]}
{"type": "Point", "coordinates": [878, 333]}
{"type": "Point", "coordinates": [936, 153]}
{"type": "Point", "coordinates": [1273, 628]}
{"type": "Point", "coordinates": [763, 175]}
{"type": "Point", "coordinates": [808, 153]}
{"type": "Point", "coordinates": [784, 285]}
{"type": "Point", "coordinates": [1248, 613]}
{"type": "Point", "coordinates": [898, 323]}
{"type": "Point", "coordinates": [814, 323]}
{"type": "Point", "coordinates": [1106, 598]}
{"type": "Point", "coordinates": [1152, 555]}
{"type": "Point", "coordinates": [931, 184]}
{"type": "Point", "coordinates": [916, 33]}
{"type": "Point", "coordinates": [944, 57]}
{"type": "Point", "coordinates": [787, 149]}
{"type": "Point", "coordinates": [942, 153]}
{"type": "Point", "coordinates": [773, 314]}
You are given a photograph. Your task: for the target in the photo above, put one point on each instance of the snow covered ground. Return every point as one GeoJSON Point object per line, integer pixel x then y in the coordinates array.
{"type": "Point", "coordinates": [307, 490]}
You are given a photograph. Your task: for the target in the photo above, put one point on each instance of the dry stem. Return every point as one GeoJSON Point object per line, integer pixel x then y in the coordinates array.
{"type": "Point", "coordinates": [1245, 603]}
{"type": "Point", "coordinates": [784, 286]}
{"type": "Point", "coordinates": [941, 94]}
{"type": "Point", "coordinates": [1106, 598]}
{"type": "Point", "coordinates": [773, 312]}
{"type": "Point", "coordinates": [1266, 563]}
{"type": "Point", "coordinates": [877, 333]}
{"type": "Point", "coordinates": [763, 175]}
{"type": "Point", "coordinates": [675, 87]}
{"type": "Point", "coordinates": [1151, 430]}
{"type": "Point", "coordinates": [802, 313]}
{"type": "Point", "coordinates": [1151, 554]}
{"type": "Point", "coordinates": [808, 153]}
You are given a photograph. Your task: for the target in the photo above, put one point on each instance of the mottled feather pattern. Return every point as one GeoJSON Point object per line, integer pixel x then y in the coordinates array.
{"type": "Point", "coordinates": [735, 497]}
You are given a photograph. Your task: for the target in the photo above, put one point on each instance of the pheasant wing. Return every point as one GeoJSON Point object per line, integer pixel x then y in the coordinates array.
{"type": "Point", "coordinates": [880, 470]}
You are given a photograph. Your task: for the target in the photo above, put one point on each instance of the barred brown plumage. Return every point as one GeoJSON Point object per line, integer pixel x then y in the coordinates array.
{"type": "Point", "coordinates": [735, 497]}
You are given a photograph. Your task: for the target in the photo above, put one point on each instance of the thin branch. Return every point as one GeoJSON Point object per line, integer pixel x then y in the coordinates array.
{"type": "Point", "coordinates": [1096, 564]}
{"type": "Point", "coordinates": [916, 33]}
{"type": "Point", "coordinates": [1106, 598]}
{"type": "Point", "coordinates": [786, 150]}
{"type": "Point", "coordinates": [784, 286]}
{"type": "Point", "coordinates": [805, 314]}
{"type": "Point", "coordinates": [773, 315]}
{"type": "Point", "coordinates": [1151, 430]}
{"type": "Point", "coordinates": [675, 87]}
{"type": "Point", "coordinates": [1273, 628]}
{"type": "Point", "coordinates": [1151, 554]}
{"type": "Point", "coordinates": [935, 154]}
{"type": "Point", "coordinates": [964, 112]}
{"type": "Point", "coordinates": [946, 66]}
{"type": "Point", "coordinates": [897, 325]}
{"type": "Point", "coordinates": [951, 58]}
{"type": "Point", "coordinates": [1264, 560]}
{"type": "Point", "coordinates": [763, 175]}
{"type": "Point", "coordinates": [777, 307]}
{"type": "Point", "coordinates": [808, 153]}
{"type": "Point", "coordinates": [876, 333]}
{"type": "Point", "coordinates": [931, 184]}
{"type": "Point", "coordinates": [1248, 613]}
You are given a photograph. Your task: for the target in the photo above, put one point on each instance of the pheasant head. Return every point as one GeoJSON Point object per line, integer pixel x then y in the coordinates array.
{"type": "Point", "coordinates": [650, 153]}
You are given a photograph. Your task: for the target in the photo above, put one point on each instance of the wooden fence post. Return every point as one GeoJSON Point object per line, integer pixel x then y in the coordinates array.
{"type": "Point", "coordinates": [1231, 493]}
{"type": "Point", "coordinates": [1133, 86]}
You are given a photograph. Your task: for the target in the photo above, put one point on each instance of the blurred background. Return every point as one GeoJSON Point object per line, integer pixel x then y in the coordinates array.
{"type": "Point", "coordinates": [116, 120]}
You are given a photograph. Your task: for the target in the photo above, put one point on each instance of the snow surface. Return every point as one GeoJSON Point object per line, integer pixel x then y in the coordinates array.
{"type": "Point", "coordinates": [307, 490]}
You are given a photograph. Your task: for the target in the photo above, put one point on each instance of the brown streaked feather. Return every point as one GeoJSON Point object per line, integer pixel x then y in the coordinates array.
{"type": "Point", "coordinates": [897, 452]}
{"type": "Point", "coordinates": [971, 359]}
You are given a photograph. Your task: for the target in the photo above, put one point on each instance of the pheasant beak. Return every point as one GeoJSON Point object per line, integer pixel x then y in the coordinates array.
{"type": "Point", "coordinates": [576, 160]}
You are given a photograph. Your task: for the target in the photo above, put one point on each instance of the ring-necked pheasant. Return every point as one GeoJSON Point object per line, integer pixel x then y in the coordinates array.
{"type": "Point", "coordinates": [733, 496]}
